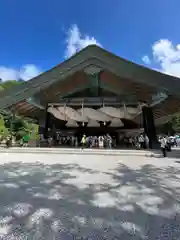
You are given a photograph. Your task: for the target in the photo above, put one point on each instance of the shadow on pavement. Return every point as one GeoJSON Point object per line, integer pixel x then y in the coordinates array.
{"type": "Point", "coordinates": [175, 153]}
{"type": "Point", "coordinates": [63, 201]}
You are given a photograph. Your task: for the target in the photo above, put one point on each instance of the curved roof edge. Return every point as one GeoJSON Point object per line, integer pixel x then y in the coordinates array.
{"type": "Point", "coordinates": [92, 54]}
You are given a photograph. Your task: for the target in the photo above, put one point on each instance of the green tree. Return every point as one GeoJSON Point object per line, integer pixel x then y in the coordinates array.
{"type": "Point", "coordinates": [16, 125]}
{"type": "Point", "coordinates": [172, 126]}
{"type": "Point", "coordinates": [3, 130]}
{"type": "Point", "coordinates": [9, 84]}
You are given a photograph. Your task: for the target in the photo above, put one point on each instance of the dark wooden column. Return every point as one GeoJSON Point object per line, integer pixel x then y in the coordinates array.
{"type": "Point", "coordinates": [41, 123]}
{"type": "Point", "coordinates": [47, 120]}
{"type": "Point", "coordinates": [149, 126]}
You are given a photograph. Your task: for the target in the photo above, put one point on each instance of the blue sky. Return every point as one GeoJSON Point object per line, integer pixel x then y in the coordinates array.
{"type": "Point", "coordinates": [36, 35]}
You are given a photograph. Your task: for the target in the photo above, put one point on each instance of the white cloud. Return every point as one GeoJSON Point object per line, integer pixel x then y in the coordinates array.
{"type": "Point", "coordinates": [29, 71]}
{"type": "Point", "coordinates": [146, 59]}
{"type": "Point", "coordinates": [26, 72]}
{"type": "Point", "coordinates": [76, 41]}
{"type": "Point", "coordinates": [167, 56]}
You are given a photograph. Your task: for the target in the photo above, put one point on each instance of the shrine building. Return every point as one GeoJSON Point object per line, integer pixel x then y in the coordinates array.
{"type": "Point", "coordinates": [96, 92]}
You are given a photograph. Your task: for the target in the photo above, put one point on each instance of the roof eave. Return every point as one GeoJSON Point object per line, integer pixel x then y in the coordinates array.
{"type": "Point", "coordinates": [88, 56]}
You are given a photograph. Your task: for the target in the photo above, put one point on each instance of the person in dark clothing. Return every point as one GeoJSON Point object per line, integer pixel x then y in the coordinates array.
{"type": "Point", "coordinates": [8, 142]}
{"type": "Point", "coordinates": [163, 143]}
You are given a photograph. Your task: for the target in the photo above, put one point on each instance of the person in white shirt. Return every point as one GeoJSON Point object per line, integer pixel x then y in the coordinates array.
{"type": "Point", "coordinates": [163, 143]}
{"type": "Point", "coordinates": [141, 141]}
{"type": "Point", "coordinates": [101, 141]}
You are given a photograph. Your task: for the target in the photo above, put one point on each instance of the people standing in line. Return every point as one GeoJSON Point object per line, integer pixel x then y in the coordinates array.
{"type": "Point", "coordinates": [163, 143]}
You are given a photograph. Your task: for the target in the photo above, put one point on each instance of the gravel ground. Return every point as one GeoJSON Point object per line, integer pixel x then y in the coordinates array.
{"type": "Point", "coordinates": [73, 196]}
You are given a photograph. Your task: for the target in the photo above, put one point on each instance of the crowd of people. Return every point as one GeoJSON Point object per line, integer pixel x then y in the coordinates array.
{"type": "Point", "coordinates": [167, 142]}
{"type": "Point", "coordinates": [23, 141]}
{"type": "Point", "coordinates": [140, 141]}
{"type": "Point", "coordinates": [103, 141]}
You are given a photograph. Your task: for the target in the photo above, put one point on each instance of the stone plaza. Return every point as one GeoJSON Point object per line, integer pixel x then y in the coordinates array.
{"type": "Point", "coordinates": [88, 196]}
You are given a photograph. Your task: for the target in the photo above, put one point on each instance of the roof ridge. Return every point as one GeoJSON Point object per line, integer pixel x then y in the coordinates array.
{"type": "Point", "coordinates": [137, 71]}
{"type": "Point", "coordinates": [18, 87]}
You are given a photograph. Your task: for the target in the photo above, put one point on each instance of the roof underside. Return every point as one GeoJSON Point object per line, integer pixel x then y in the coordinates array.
{"type": "Point", "coordinates": [127, 77]}
{"type": "Point", "coordinates": [161, 111]}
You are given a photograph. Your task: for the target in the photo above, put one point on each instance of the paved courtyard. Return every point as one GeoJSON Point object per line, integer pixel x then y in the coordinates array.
{"type": "Point", "coordinates": [55, 196]}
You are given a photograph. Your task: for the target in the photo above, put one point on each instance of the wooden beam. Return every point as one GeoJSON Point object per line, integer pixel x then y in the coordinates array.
{"type": "Point", "coordinates": [35, 103]}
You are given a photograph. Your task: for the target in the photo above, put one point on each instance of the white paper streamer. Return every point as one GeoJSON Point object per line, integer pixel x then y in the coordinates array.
{"type": "Point", "coordinates": [72, 114]}
{"type": "Point", "coordinates": [96, 115]}
{"type": "Point", "coordinates": [56, 113]}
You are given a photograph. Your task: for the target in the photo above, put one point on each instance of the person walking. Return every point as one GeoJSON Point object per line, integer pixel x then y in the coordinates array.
{"type": "Point", "coordinates": [25, 140]}
{"type": "Point", "coordinates": [83, 141]}
{"type": "Point", "coordinates": [163, 143]}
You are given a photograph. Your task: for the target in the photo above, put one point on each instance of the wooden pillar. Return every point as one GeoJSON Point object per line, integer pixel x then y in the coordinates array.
{"type": "Point", "coordinates": [149, 126]}
{"type": "Point", "coordinates": [47, 118]}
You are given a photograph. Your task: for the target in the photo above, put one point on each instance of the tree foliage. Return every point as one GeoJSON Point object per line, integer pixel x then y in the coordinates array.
{"type": "Point", "coordinates": [171, 127]}
{"type": "Point", "coordinates": [15, 125]}
{"type": "Point", "coordinates": [9, 84]}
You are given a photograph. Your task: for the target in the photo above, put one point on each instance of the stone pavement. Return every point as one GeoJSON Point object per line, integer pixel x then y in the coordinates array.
{"type": "Point", "coordinates": [77, 196]}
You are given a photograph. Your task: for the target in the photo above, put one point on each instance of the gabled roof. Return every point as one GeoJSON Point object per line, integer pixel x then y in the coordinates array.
{"type": "Point", "coordinates": [91, 55]}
